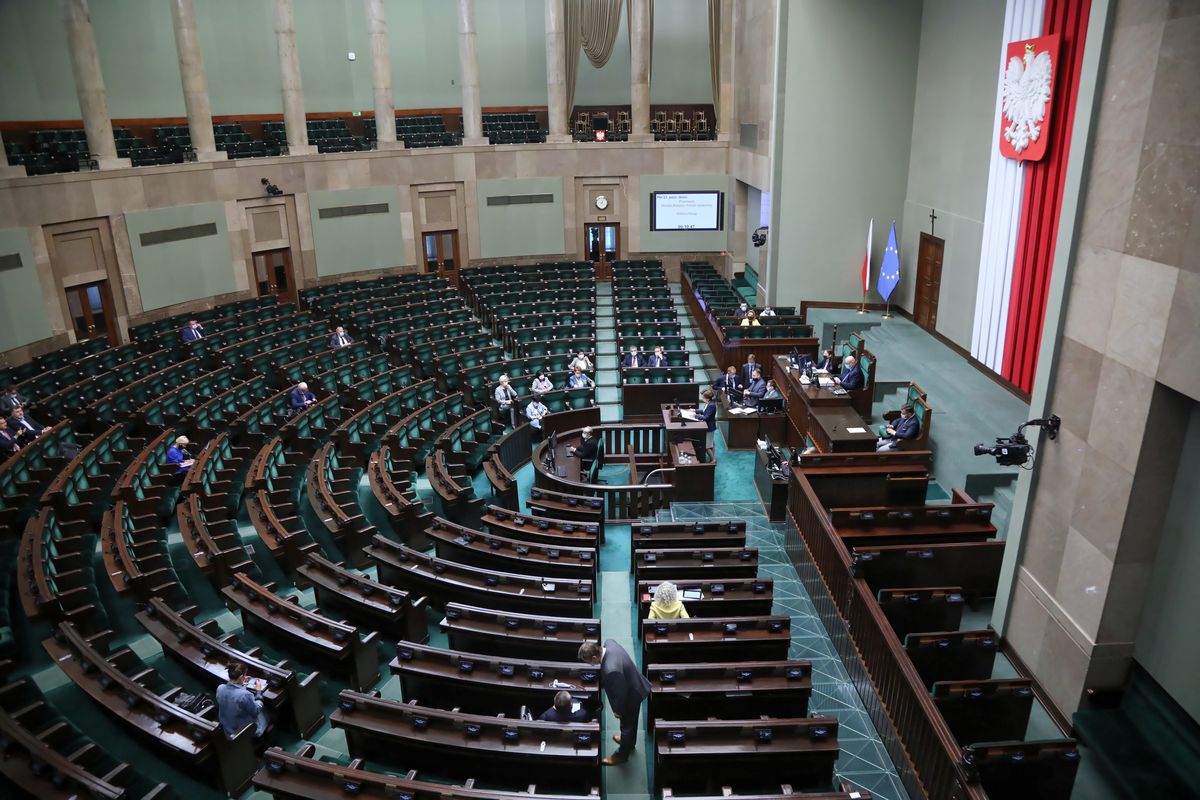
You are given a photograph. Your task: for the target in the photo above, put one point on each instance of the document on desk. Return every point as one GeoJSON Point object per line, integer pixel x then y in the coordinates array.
{"type": "Point", "coordinates": [856, 430]}
{"type": "Point", "coordinates": [687, 413]}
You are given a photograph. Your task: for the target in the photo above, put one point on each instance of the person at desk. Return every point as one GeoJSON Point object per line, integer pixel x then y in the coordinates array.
{"type": "Point", "coordinates": [580, 361]}
{"type": "Point", "coordinates": [238, 706]}
{"type": "Point", "coordinates": [585, 452]}
{"type": "Point", "coordinates": [751, 319]}
{"type": "Point", "coordinates": [301, 398]}
{"type": "Point", "coordinates": [8, 441]}
{"type": "Point", "coordinates": [708, 413]}
{"type": "Point", "coordinates": [506, 396]}
{"type": "Point", "coordinates": [852, 375]}
{"type": "Point", "coordinates": [177, 454]}
{"type": "Point", "coordinates": [756, 389]}
{"type": "Point", "coordinates": [541, 384]}
{"type": "Point", "coordinates": [827, 362]}
{"type": "Point", "coordinates": [772, 392]}
{"type": "Point", "coordinates": [729, 384]}
{"type": "Point", "coordinates": [192, 332]}
{"type": "Point", "coordinates": [625, 687]}
{"type": "Point", "coordinates": [633, 358]}
{"type": "Point", "coordinates": [579, 381]}
{"type": "Point", "coordinates": [666, 603]}
{"type": "Point", "coordinates": [748, 369]}
{"type": "Point", "coordinates": [906, 427]}
{"type": "Point", "coordinates": [561, 710]}
{"type": "Point", "coordinates": [767, 312]}
{"type": "Point", "coordinates": [340, 338]}
{"type": "Point", "coordinates": [658, 358]}
{"type": "Point", "coordinates": [11, 400]}
{"type": "Point", "coordinates": [25, 428]}
{"type": "Point", "coordinates": [534, 413]}
{"type": "Point", "coordinates": [743, 309]}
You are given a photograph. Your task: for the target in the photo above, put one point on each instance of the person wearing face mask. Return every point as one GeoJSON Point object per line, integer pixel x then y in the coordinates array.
{"type": "Point", "coordinates": [658, 358]}
{"type": "Point", "coordinates": [193, 332]}
{"type": "Point", "coordinates": [340, 338]}
{"type": "Point", "coordinates": [541, 384]}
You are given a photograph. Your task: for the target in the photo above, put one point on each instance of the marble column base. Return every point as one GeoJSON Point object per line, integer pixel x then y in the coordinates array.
{"type": "Point", "coordinates": [641, 137]}
{"type": "Point", "coordinates": [473, 141]}
{"type": "Point", "coordinates": [7, 171]}
{"type": "Point", "coordinates": [724, 137]}
{"type": "Point", "coordinates": [302, 150]}
{"type": "Point", "coordinates": [558, 138]}
{"type": "Point", "coordinates": [394, 145]}
{"type": "Point", "coordinates": [113, 163]}
{"type": "Point", "coordinates": [212, 155]}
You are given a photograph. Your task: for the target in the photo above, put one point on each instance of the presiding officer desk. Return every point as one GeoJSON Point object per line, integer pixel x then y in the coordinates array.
{"type": "Point", "coordinates": [821, 414]}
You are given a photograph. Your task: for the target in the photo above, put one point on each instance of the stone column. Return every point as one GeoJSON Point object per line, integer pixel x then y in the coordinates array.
{"type": "Point", "coordinates": [381, 76]}
{"type": "Point", "coordinates": [725, 122]}
{"type": "Point", "coordinates": [556, 73]}
{"type": "Point", "coordinates": [195, 84]}
{"type": "Point", "coordinates": [289, 79]}
{"type": "Point", "coordinates": [89, 83]}
{"type": "Point", "coordinates": [7, 171]}
{"type": "Point", "coordinates": [639, 70]}
{"type": "Point", "coordinates": [468, 74]}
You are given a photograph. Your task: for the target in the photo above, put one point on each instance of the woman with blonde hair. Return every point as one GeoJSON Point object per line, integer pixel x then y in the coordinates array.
{"type": "Point", "coordinates": [666, 603]}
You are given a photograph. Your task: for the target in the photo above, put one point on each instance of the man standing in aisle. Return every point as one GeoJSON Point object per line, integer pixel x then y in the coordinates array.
{"type": "Point", "coordinates": [625, 687]}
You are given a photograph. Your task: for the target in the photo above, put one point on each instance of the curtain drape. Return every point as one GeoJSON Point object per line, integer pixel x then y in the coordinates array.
{"type": "Point", "coordinates": [714, 54]}
{"type": "Point", "coordinates": [571, 56]}
{"type": "Point", "coordinates": [599, 21]}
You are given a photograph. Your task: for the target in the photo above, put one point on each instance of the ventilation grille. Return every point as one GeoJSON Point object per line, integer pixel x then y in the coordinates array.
{"type": "Point", "coordinates": [150, 238]}
{"type": "Point", "coordinates": [10, 261]}
{"type": "Point", "coordinates": [519, 199]}
{"type": "Point", "coordinates": [352, 211]}
{"type": "Point", "coordinates": [748, 135]}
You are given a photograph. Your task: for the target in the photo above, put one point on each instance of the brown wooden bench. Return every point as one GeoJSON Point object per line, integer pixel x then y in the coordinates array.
{"type": "Point", "coordinates": [729, 690]}
{"type": "Point", "coordinates": [687, 641]}
{"type": "Point", "coordinates": [973, 566]}
{"type": "Point", "coordinates": [952, 655]}
{"type": "Point", "coordinates": [485, 630]}
{"type": "Point", "coordinates": [542, 529]}
{"type": "Point", "coordinates": [710, 563]}
{"type": "Point", "coordinates": [366, 602]}
{"type": "Point", "coordinates": [490, 551]}
{"type": "Point", "coordinates": [993, 710]}
{"type": "Point", "coordinates": [721, 597]}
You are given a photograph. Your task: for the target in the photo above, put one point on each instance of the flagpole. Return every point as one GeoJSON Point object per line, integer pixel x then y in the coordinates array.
{"type": "Point", "coordinates": [888, 313]}
{"type": "Point", "coordinates": [862, 307]}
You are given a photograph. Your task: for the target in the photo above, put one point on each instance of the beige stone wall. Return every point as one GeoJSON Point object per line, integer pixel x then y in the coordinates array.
{"type": "Point", "coordinates": [40, 204]}
{"type": "Point", "coordinates": [754, 32]}
{"type": "Point", "coordinates": [1127, 371]}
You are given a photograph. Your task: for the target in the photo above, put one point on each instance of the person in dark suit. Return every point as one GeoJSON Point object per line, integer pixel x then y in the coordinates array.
{"type": "Point", "coordinates": [561, 710]}
{"type": "Point", "coordinates": [301, 398]}
{"type": "Point", "coordinates": [756, 388]}
{"type": "Point", "coordinates": [827, 362]}
{"type": "Point", "coordinates": [906, 427]}
{"type": "Point", "coordinates": [26, 429]}
{"type": "Point", "coordinates": [625, 687]}
{"type": "Point", "coordinates": [340, 338]}
{"type": "Point", "coordinates": [11, 400]}
{"type": "Point", "coordinates": [633, 358]}
{"type": "Point", "coordinates": [8, 441]}
{"type": "Point", "coordinates": [585, 451]}
{"type": "Point", "coordinates": [729, 384]}
{"type": "Point", "coordinates": [708, 413]}
{"type": "Point", "coordinates": [658, 358]}
{"type": "Point", "coordinates": [193, 332]}
{"type": "Point", "coordinates": [747, 373]}
{"type": "Point", "coordinates": [773, 392]}
{"type": "Point", "coordinates": [743, 310]}
{"type": "Point", "coordinates": [852, 375]}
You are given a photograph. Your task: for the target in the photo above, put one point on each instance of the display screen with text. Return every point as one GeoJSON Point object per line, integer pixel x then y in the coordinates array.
{"type": "Point", "coordinates": [686, 211]}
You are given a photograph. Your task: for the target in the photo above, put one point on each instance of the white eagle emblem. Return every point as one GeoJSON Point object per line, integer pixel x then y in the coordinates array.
{"type": "Point", "coordinates": [1026, 92]}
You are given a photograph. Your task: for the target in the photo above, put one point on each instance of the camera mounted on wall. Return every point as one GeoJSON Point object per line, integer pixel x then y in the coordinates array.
{"type": "Point", "coordinates": [1015, 450]}
{"type": "Point", "coordinates": [759, 237]}
{"type": "Point", "coordinates": [272, 189]}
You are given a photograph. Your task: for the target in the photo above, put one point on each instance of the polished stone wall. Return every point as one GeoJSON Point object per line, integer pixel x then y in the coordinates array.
{"type": "Point", "coordinates": [1127, 370]}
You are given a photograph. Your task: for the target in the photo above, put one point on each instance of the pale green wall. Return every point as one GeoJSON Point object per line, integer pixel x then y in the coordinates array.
{"type": "Point", "coordinates": [520, 230]}
{"type": "Point", "coordinates": [1167, 645]}
{"type": "Point", "coordinates": [685, 241]}
{"type": "Point", "coordinates": [357, 243]}
{"type": "Point", "coordinates": [512, 52]}
{"type": "Point", "coordinates": [608, 85]}
{"type": "Point", "coordinates": [22, 309]}
{"type": "Point", "coordinates": [176, 272]}
{"type": "Point", "coordinates": [681, 65]}
{"type": "Point", "coordinates": [844, 115]}
{"type": "Point", "coordinates": [953, 123]}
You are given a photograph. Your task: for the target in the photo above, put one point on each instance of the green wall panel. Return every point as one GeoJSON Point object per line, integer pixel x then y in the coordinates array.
{"type": "Point", "coordinates": [359, 242]}
{"type": "Point", "coordinates": [685, 241]}
{"type": "Point", "coordinates": [179, 271]}
{"type": "Point", "coordinates": [22, 309]}
{"type": "Point", "coordinates": [522, 229]}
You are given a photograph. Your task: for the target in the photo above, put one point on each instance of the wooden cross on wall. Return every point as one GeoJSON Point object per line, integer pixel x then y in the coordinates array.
{"type": "Point", "coordinates": [932, 220]}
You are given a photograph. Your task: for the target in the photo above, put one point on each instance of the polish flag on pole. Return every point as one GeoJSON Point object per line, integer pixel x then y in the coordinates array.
{"type": "Point", "coordinates": [866, 267]}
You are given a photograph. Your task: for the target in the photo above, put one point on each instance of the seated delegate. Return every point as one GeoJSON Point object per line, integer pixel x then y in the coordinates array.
{"type": "Point", "coordinates": [852, 375]}
{"type": "Point", "coordinates": [666, 603]}
{"type": "Point", "coordinates": [340, 338]}
{"type": "Point", "coordinates": [177, 454]}
{"type": "Point", "coordinates": [906, 427]}
{"type": "Point", "coordinates": [561, 711]}
{"type": "Point", "coordinates": [301, 398]}
{"type": "Point", "coordinates": [192, 332]}
{"type": "Point", "coordinates": [579, 381]}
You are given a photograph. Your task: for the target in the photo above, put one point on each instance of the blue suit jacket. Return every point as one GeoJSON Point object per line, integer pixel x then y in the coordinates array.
{"type": "Point", "coordinates": [852, 378]}
{"type": "Point", "coordinates": [725, 383]}
{"type": "Point", "coordinates": [631, 360]}
{"type": "Point", "coordinates": [757, 389]}
{"type": "Point", "coordinates": [746, 370]}
{"type": "Point", "coordinates": [298, 398]}
{"type": "Point", "coordinates": [906, 428]}
{"type": "Point", "coordinates": [192, 335]}
{"type": "Point", "coordinates": [709, 414]}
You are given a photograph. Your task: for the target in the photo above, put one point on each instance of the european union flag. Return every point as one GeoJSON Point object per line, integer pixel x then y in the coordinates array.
{"type": "Point", "coordinates": [889, 270]}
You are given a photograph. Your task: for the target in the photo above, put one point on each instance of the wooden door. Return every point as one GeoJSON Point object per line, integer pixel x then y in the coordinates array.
{"type": "Point", "coordinates": [273, 274]}
{"type": "Point", "coordinates": [90, 306]}
{"type": "Point", "coordinates": [441, 254]}
{"type": "Point", "coordinates": [602, 243]}
{"type": "Point", "coordinates": [929, 280]}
